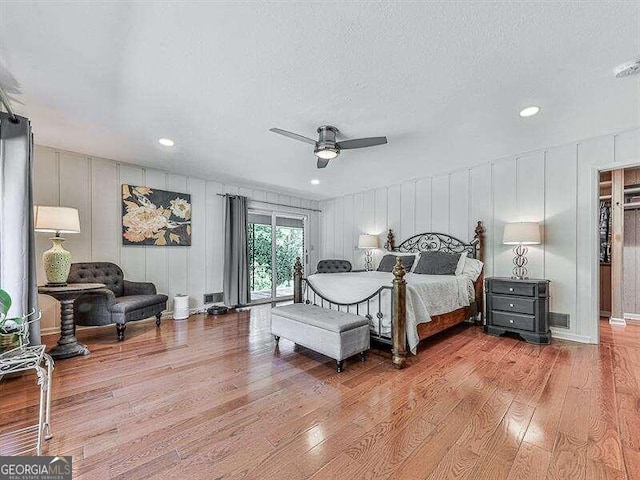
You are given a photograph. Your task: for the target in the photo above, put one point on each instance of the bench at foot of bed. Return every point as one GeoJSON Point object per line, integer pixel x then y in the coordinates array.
{"type": "Point", "coordinates": [338, 335]}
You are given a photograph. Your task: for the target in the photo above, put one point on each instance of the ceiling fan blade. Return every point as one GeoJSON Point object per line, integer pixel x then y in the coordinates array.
{"type": "Point", "coordinates": [295, 136]}
{"type": "Point", "coordinates": [361, 142]}
{"type": "Point", "coordinates": [323, 162]}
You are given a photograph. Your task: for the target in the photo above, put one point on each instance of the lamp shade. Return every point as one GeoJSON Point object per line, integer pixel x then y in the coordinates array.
{"type": "Point", "coordinates": [56, 219]}
{"type": "Point", "coordinates": [366, 241]}
{"type": "Point", "coordinates": [521, 233]}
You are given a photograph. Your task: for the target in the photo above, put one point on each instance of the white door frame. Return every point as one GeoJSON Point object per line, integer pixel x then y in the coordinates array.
{"type": "Point", "coordinates": [274, 268]}
{"type": "Point", "coordinates": [280, 213]}
{"type": "Point", "coordinates": [594, 238]}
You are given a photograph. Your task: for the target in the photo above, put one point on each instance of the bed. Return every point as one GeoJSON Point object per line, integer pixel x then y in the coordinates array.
{"type": "Point", "coordinates": [403, 308]}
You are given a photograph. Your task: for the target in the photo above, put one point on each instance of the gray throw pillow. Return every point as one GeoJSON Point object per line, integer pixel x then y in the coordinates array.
{"type": "Point", "coordinates": [388, 262]}
{"type": "Point", "coordinates": [437, 263]}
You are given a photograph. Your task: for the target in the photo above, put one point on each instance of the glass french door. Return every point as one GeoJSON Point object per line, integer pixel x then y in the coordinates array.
{"type": "Point", "coordinates": [275, 240]}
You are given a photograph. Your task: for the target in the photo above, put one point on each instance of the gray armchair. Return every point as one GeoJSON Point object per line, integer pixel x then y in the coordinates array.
{"type": "Point", "coordinates": [120, 302]}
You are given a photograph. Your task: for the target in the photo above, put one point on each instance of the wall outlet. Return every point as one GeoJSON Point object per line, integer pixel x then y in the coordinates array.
{"type": "Point", "coordinates": [213, 297]}
{"type": "Point", "coordinates": [559, 319]}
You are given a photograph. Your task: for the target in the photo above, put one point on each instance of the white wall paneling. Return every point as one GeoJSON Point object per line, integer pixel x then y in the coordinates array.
{"type": "Point", "coordinates": [359, 226]}
{"type": "Point", "coordinates": [481, 208]}
{"type": "Point", "coordinates": [93, 186]}
{"type": "Point", "coordinates": [46, 191]}
{"type": "Point", "coordinates": [338, 227]}
{"type": "Point", "coordinates": [348, 244]}
{"type": "Point", "coordinates": [75, 170]}
{"type": "Point", "coordinates": [531, 203]}
{"type": "Point", "coordinates": [408, 209]}
{"type": "Point", "coordinates": [627, 147]}
{"type": "Point", "coordinates": [177, 257]}
{"type": "Point", "coordinates": [459, 204]}
{"type": "Point", "coordinates": [422, 202]}
{"type": "Point", "coordinates": [504, 178]}
{"type": "Point", "coordinates": [132, 257]}
{"type": "Point", "coordinates": [156, 257]}
{"type": "Point", "coordinates": [560, 228]}
{"type": "Point", "coordinates": [440, 203]}
{"type": "Point", "coordinates": [394, 211]}
{"type": "Point", "coordinates": [555, 186]}
{"type": "Point", "coordinates": [196, 271]}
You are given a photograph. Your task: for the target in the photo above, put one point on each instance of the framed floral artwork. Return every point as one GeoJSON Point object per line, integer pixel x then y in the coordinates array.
{"type": "Point", "coordinates": [155, 217]}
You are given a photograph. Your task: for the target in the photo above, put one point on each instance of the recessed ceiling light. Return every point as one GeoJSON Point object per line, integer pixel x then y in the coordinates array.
{"type": "Point", "coordinates": [627, 69]}
{"type": "Point", "coordinates": [529, 111]}
{"type": "Point", "coordinates": [167, 142]}
{"type": "Point", "coordinates": [315, 181]}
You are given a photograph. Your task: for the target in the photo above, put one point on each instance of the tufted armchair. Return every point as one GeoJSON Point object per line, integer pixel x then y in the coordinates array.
{"type": "Point", "coordinates": [120, 302]}
{"type": "Point", "coordinates": [334, 266]}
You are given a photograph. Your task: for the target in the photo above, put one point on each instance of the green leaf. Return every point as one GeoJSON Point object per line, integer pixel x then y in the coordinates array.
{"type": "Point", "coordinates": [5, 304]}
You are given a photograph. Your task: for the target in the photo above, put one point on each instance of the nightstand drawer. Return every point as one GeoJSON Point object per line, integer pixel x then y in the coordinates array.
{"type": "Point", "coordinates": [513, 320]}
{"type": "Point", "coordinates": [514, 304]}
{"type": "Point", "coordinates": [514, 288]}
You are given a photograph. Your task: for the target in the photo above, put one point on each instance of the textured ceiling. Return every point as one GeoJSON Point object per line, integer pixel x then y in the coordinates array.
{"type": "Point", "coordinates": [443, 80]}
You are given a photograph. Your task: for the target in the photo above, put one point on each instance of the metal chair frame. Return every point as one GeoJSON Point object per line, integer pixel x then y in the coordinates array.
{"type": "Point", "coordinates": [19, 359]}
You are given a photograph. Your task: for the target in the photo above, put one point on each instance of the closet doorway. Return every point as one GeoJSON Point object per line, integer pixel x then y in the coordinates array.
{"type": "Point", "coordinates": [619, 247]}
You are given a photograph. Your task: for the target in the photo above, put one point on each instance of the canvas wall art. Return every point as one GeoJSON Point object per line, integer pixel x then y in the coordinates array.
{"type": "Point", "coordinates": [155, 217]}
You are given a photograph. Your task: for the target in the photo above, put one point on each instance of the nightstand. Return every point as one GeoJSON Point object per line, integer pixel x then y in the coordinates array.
{"type": "Point", "coordinates": [518, 306]}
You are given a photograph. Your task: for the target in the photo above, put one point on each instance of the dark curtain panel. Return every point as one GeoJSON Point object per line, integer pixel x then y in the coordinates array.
{"type": "Point", "coordinates": [236, 252]}
{"type": "Point", "coordinates": [17, 252]}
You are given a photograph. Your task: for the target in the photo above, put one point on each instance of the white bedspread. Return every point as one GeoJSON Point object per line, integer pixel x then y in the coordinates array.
{"type": "Point", "coordinates": [427, 295]}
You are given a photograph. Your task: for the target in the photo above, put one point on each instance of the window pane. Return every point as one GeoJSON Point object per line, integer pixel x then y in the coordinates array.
{"type": "Point", "coordinates": [260, 271]}
{"type": "Point", "coordinates": [289, 246]}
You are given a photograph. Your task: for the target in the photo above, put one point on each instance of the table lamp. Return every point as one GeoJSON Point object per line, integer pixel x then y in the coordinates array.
{"type": "Point", "coordinates": [368, 243]}
{"type": "Point", "coordinates": [56, 260]}
{"type": "Point", "coordinates": [521, 234]}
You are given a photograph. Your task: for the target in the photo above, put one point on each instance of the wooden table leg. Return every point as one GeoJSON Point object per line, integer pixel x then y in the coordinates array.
{"type": "Point", "coordinates": [68, 345]}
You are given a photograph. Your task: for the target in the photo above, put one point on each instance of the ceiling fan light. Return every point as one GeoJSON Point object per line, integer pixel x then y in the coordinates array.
{"type": "Point", "coordinates": [326, 153]}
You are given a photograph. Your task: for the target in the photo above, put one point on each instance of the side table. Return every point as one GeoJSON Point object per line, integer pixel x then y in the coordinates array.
{"type": "Point", "coordinates": [68, 345]}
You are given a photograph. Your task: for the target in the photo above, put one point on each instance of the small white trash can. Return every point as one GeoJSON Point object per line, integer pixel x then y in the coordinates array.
{"type": "Point", "coordinates": [181, 307]}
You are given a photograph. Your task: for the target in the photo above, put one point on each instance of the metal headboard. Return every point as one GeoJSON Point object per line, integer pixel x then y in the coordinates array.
{"type": "Point", "coordinates": [437, 242]}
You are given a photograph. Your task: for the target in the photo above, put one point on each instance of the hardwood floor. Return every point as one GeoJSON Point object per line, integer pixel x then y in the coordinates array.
{"type": "Point", "coordinates": [208, 398]}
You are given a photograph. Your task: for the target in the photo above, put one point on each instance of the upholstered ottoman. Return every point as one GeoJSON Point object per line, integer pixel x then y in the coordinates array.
{"type": "Point", "coordinates": [337, 335]}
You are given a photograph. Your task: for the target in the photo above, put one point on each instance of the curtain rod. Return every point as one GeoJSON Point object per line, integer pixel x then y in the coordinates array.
{"type": "Point", "coordinates": [270, 203]}
{"type": "Point", "coordinates": [7, 104]}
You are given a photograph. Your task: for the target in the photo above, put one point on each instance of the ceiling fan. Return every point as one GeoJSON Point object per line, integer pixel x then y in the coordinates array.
{"type": "Point", "coordinates": [326, 147]}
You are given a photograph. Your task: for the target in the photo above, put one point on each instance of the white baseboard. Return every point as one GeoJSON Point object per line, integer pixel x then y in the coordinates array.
{"type": "Point", "coordinates": [632, 318]}
{"type": "Point", "coordinates": [617, 321]}
{"type": "Point", "coordinates": [562, 334]}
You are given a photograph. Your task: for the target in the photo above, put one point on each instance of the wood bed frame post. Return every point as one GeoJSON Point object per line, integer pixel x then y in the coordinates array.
{"type": "Point", "coordinates": [399, 332]}
{"type": "Point", "coordinates": [480, 285]}
{"type": "Point", "coordinates": [297, 281]}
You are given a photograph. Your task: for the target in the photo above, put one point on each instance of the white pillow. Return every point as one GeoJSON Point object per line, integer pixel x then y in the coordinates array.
{"type": "Point", "coordinates": [472, 268]}
{"type": "Point", "coordinates": [460, 266]}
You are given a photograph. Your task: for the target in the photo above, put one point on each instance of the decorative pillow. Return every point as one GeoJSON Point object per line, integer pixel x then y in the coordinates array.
{"type": "Point", "coordinates": [437, 263]}
{"type": "Point", "coordinates": [460, 266]}
{"type": "Point", "coordinates": [389, 260]}
{"type": "Point", "coordinates": [472, 268]}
